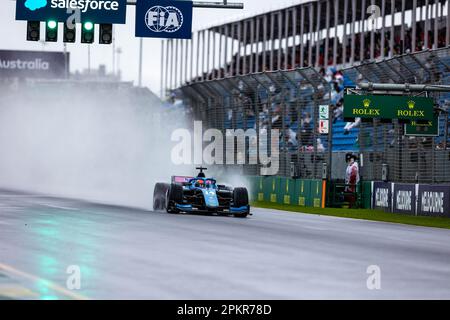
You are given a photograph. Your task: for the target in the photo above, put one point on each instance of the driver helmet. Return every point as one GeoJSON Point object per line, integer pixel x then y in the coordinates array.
{"type": "Point", "coordinates": [200, 184]}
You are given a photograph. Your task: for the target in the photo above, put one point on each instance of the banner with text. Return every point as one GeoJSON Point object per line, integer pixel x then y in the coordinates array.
{"type": "Point", "coordinates": [433, 200]}
{"type": "Point", "coordinates": [381, 195]}
{"type": "Point", "coordinates": [95, 11]}
{"type": "Point", "coordinates": [427, 129]}
{"type": "Point", "coordinates": [404, 198]}
{"type": "Point", "coordinates": [419, 109]}
{"type": "Point", "coordinates": [34, 64]}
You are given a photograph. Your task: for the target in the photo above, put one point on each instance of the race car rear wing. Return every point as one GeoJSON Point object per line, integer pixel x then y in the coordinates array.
{"type": "Point", "coordinates": [181, 180]}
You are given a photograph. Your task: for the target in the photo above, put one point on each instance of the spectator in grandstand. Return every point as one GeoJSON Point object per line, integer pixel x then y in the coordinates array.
{"type": "Point", "coordinates": [350, 125]}
{"type": "Point", "coordinates": [338, 110]}
{"type": "Point", "coordinates": [289, 138]}
{"type": "Point", "coordinates": [250, 112]}
{"type": "Point", "coordinates": [306, 136]}
{"type": "Point", "coordinates": [263, 117]}
{"type": "Point", "coordinates": [324, 74]}
{"type": "Point", "coordinates": [337, 91]}
{"type": "Point", "coordinates": [339, 77]}
{"type": "Point", "coordinates": [391, 133]}
{"type": "Point", "coordinates": [277, 119]}
{"type": "Point", "coordinates": [441, 146]}
{"type": "Point", "coordinates": [310, 148]}
{"type": "Point", "coordinates": [320, 147]}
{"type": "Point", "coordinates": [229, 114]}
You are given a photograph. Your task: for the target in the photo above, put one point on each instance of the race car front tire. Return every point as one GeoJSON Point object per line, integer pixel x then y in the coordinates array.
{"type": "Point", "coordinates": [174, 197]}
{"type": "Point", "coordinates": [240, 199]}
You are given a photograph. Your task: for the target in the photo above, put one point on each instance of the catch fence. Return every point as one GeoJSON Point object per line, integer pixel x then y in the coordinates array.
{"type": "Point", "coordinates": [289, 101]}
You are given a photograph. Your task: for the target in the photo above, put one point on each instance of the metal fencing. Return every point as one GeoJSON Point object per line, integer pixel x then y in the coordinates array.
{"type": "Point", "coordinates": [422, 159]}
{"type": "Point", "coordinates": [289, 101]}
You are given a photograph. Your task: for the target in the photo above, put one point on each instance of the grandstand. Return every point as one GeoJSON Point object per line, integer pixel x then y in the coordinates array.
{"type": "Point", "coordinates": [289, 101]}
{"type": "Point", "coordinates": [321, 33]}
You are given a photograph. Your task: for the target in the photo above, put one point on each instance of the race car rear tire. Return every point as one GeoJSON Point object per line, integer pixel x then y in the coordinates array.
{"type": "Point", "coordinates": [159, 196]}
{"type": "Point", "coordinates": [174, 196]}
{"type": "Point", "coordinates": [241, 215]}
{"type": "Point", "coordinates": [240, 199]}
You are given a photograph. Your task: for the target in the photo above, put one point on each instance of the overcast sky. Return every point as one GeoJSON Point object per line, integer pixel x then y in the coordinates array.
{"type": "Point", "coordinates": [13, 35]}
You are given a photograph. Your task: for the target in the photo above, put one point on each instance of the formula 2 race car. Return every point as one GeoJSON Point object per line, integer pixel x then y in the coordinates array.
{"type": "Point", "coordinates": [200, 195]}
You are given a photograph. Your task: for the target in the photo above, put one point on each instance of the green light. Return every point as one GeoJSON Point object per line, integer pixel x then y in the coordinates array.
{"type": "Point", "coordinates": [52, 24]}
{"type": "Point", "coordinates": [88, 26]}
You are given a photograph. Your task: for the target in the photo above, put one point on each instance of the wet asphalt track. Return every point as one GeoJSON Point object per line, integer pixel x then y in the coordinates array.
{"type": "Point", "coordinates": [132, 254]}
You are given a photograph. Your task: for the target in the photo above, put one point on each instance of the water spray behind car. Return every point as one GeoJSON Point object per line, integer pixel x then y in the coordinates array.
{"type": "Point", "coordinates": [103, 142]}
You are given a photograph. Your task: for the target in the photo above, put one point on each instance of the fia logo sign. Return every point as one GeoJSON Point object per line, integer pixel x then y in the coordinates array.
{"type": "Point", "coordinates": [164, 19]}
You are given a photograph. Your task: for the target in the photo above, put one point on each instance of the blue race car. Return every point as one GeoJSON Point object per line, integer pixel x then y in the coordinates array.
{"type": "Point", "coordinates": [200, 195]}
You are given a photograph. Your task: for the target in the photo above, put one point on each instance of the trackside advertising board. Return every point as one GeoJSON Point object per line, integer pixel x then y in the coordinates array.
{"type": "Point", "coordinates": [382, 195]}
{"type": "Point", "coordinates": [404, 198]}
{"type": "Point", "coordinates": [433, 201]}
{"type": "Point", "coordinates": [426, 129]}
{"type": "Point", "coordinates": [388, 107]}
{"type": "Point", "coordinates": [33, 64]}
{"type": "Point", "coordinates": [419, 199]}
{"type": "Point", "coordinates": [164, 19]}
{"type": "Point", "coordinates": [95, 11]}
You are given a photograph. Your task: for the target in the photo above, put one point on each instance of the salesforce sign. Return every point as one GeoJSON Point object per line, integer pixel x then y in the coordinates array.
{"type": "Point", "coordinates": [33, 64]}
{"type": "Point", "coordinates": [96, 11]}
{"type": "Point", "coordinates": [164, 19]}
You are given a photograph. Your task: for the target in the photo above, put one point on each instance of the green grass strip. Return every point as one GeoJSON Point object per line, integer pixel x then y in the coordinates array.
{"type": "Point", "coordinates": [363, 214]}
